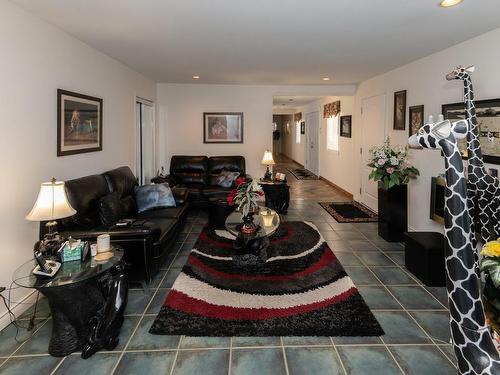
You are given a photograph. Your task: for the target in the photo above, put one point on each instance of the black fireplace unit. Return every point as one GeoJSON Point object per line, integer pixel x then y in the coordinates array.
{"type": "Point", "coordinates": [438, 186]}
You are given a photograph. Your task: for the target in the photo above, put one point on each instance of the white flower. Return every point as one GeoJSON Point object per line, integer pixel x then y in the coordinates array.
{"type": "Point", "coordinates": [381, 161]}
{"type": "Point", "coordinates": [394, 161]}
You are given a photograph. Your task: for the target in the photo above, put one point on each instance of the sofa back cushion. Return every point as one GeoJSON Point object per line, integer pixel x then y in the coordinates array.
{"type": "Point", "coordinates": [189, 169]}
{"type": "Point", "coordinates": [122, 181]}
{"type": "Point", "coordinates": [84, 194]}
{"type": "Point", "coordinates": [216, 164]}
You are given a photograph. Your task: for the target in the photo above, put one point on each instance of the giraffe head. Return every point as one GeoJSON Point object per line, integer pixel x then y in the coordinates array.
{"type": "Point", "coordinates": [431, 134]}
{"type": "Point", "coordinates": [460, 73]}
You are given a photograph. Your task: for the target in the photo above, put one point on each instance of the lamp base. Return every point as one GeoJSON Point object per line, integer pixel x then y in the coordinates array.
{"type": "Point", "coordinates": [268, 176]}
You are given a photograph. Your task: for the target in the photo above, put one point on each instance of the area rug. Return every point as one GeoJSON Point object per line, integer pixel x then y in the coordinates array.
{"type": "Point", "coordinates": [349, 212]}
{"type": "Point", "coordinates": [301, 290]}
{"type": "Point", "coordinates": [302, 174]}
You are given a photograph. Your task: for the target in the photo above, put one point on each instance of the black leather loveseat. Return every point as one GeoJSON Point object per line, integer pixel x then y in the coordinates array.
{"type": "Point", "coordinates": [198, 175]}
{"type": "Point", "coordinates": [146, 244]}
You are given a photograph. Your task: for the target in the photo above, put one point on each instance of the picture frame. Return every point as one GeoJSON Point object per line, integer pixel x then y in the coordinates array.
{"type": "Point", "coordinates": [416, 119]}
{"type": "Point", "coordinates": [488, 119]}
{"type": "Point", "coordinates": [399, 122]}
{"type": "Point", "coordinates": [79, 123]}
{"type": "Point", "coordinates": [346, 126]}
{"type": "Point", "coordinates": [302, 127]}
{"type": "Point", "coordinates": [223, 127]}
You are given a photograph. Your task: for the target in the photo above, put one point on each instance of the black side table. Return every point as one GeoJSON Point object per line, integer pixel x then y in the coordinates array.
{"type": "Point", "coordinates": [277, 195]}
{"type": "Point", "coordinates": [87, 300]}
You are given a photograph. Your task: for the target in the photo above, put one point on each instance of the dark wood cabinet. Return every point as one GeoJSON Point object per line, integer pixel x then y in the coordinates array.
{"type": "Point", "coordinates": [392, 212]}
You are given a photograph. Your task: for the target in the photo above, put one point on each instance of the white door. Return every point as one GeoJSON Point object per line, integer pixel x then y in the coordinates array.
{"type": "Point", "coordinates": [145, 141]}
{"type": "Point", "coordinates": [312, 142]}
{"type": "Point", "coordinates": [373, 134]}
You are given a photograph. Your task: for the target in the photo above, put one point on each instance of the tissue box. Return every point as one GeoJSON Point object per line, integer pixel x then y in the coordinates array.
{"type": "Point", "coordinates": [73, 252]}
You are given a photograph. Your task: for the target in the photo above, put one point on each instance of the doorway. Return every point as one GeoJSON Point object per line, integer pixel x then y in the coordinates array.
{"type": "Point", "coordinates": [312, 142]}
{"type": "Point", "coordinates": [146, 140]}
{"type": "Point", "coordinates": [373, 117]}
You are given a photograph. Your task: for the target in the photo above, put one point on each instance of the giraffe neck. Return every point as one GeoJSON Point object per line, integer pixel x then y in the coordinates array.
{"type": "Point", "coordinates": [459, 251]}
{"type": "Point", "coordinates": [473, 144]}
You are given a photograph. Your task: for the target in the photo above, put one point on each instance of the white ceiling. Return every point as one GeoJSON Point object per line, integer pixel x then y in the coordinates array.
{"type": "Point", "coordinates": [288, 102]}
{"type": "Point", "coordinates": [265, 41]}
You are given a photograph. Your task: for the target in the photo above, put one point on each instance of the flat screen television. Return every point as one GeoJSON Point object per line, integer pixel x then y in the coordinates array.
{"type": "Point", "coordinates": [438, 185]}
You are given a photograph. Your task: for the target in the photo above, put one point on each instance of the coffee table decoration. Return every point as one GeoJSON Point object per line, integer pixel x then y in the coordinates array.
{"type": "Point", "coordinates": [245, 197]}
{"type": "Point", "coordinates": [301, 290]}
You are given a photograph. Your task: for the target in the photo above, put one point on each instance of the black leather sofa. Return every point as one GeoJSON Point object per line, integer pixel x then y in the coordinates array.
{"type": "Point", "coordinates": [147, 244]}
{"type": "Point", "coordinates": [198, 175]}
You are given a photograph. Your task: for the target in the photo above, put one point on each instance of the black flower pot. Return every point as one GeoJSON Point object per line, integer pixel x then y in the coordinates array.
{"type": "Point", "coordinates": [392, 212]}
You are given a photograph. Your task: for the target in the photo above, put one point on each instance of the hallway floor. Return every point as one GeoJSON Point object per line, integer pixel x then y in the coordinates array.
{"type": "Point", "coordinates": [415, 318]}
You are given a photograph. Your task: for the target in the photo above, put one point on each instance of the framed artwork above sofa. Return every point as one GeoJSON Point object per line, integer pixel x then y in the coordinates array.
{"type": "Point", "coordinates": [223, 127]}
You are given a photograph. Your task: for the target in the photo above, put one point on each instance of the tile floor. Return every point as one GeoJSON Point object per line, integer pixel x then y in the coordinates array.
{"type": "Point", "coordinates": [414, 318]}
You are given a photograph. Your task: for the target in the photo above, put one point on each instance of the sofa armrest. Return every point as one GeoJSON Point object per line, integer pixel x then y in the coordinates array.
{"type": "Point", "coordinates": [180, 195]}
{"type": "Point", "coordinates": [170, 180]}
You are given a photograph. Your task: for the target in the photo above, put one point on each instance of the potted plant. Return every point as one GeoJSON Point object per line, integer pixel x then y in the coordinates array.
{"type": "Point", "coordinates": [392, 171]}
{"type": "Point", "coordinates": [490, 265]}
{"type": "Point", "coordinates": [245, 196]}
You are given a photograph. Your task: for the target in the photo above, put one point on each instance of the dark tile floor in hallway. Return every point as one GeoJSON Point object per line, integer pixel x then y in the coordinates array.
{"type": "Point", "coordinates": [414, 318]}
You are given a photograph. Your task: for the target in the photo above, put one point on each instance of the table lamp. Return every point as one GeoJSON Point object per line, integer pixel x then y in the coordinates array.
{"type": "Point", "coordinates": [268, 160]}
{"type": "Point", "coordinates": [51, 204]}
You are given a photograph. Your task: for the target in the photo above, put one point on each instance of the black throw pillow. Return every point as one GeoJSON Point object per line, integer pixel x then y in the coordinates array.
{"type": "Point", "coordinates": [111, 209]}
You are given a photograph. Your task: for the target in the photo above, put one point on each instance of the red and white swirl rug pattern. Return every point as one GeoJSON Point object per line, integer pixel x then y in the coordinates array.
{"type": "Point", "coordinates": [302, 290]}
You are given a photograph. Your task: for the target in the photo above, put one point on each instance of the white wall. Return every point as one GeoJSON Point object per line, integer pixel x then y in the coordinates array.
{"type": "Point", "coordinates": [425, 83]}
{"type": "Point", "coordinates": [37, 59]}
{"type": "Point", "coordinates": [180, 117]}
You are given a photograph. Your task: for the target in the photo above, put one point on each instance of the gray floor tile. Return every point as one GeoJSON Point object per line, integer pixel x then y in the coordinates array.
{"type": "Point", "coordinates": [98, 364]}
{"type": "Point", "coordinates": [374, 258]}
{"type": "Point", "coordinates": [422, 360]}
{"type": "Point", "coordinates": [146, 363]}
{"type": "Point", "coordinates": [257, 361]}
{"type": "Point", "coordinates": [128, 327]}
{"type": "Point", "coordinates": [206, 362]}
{"type": "Point", "coordinates": [205, 342]}
{"type": "Point", "coordinates": [143, 340]}
{"type": "Point", "coordinates": [348, 259]}
{"type": "Point", "coordinates": [339, 245]}
{"type": "Point", "coordinates": [42, 309]}
{"type": "Point", "coordinates": [29, 365]}
{"type": "Point", "coordinates": [377, 297]}
{"type": "Point", "coordinates": [412, 297]}
{"type": "Point", "coordinates": [39, 342]}
{"type": "Point", "coordinates": [350, 235]}
{"type": "Point", "coordinates": [339, 340]}
{"type": "Point", "coordinates": [306, 340]}
{"type": "Point", "coordinates": [256, 341]}
{"type": "Point", "coordinates": [361, 245]}
{"type": "Point", "coordinates": [361, 275]}
{"type": "Point", "coordinates": [8, 341]}
{"type": "Point", "coordinates": [392, 275]}
{"type": "Point", "coordinates": [400, 328]}
{"type": "Point", "coordinates": [435, 323]}
{"type": "Point", "coordinates": [372, 360]}
{"type": "Point", "coordinates": [309, 361]}
{"type": "Point", "coordinates": [137, 301]}
{"type": "Point", "coordinates": [399, 258]}
{"type": "Point", "coordinates": [440, 293]}
{"type": "Point", "coordinates": [157, 301]}
{"type": "Point", "coordinates": [171, 276]}
{"type": "Point", "coordinates": [388, 246]}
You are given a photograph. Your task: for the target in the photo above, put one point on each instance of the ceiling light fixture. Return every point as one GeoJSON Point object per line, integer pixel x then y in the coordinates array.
{"type": "Point", "coordinates": [449, 3]}
{"type": "Point", "coordinates": [196, 77]}
{"type": "Point", "coordinates": [326, 78]}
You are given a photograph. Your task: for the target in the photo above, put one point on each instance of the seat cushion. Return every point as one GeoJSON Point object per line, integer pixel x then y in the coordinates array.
{"type": "Point", "coordinates": [194, 191]}
{"type": "Point", "coordinates": [170, 212]}
{"type": "Point", "coordinates": [110, 209]}
{"type": "Point", "coordinates": [215, 191]}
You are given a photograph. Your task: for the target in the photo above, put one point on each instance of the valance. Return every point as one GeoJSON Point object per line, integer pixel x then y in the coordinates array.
{"type": "Point", "coordinates": [331, 109]}
{"type": "Point", "coordinates": [297, 117]}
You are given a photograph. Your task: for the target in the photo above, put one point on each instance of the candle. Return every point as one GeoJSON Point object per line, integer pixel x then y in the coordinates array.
{"type": "Point", "coordinates": [103, 243]}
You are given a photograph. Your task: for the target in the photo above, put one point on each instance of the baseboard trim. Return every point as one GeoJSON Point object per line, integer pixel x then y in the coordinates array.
{"type": "Point", "coordinates": [18, 309]}
{"type": "Point", "coordinates": [337, 187]}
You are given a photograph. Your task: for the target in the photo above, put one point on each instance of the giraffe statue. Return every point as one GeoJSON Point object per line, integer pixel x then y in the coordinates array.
{"type": "Point", "coordinates": [483, 190]}
{"type": "Point", "coordinates": [476, 354]}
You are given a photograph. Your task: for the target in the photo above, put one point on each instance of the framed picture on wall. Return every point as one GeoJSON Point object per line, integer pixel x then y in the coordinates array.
{"type": "Point", "coordinates": [488, 119]}
{"type": "Point", "coordinates": [346, 126]}
{"type": "Point", "coordinates": [223, 127]}
{"type": "Point", "coordinates": [302, 127]}
{"type": "Point", "coordinates": [79, 123]}
{"type": "Point", "coordinates": [416, 119]}
{"type": "Point", "coordinates": [399, 110]}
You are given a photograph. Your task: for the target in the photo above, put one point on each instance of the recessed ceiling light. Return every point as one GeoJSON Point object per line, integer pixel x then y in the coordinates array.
{"type": "Point", "coordinates": [290, 100]}
{"type": "Point", "coordinates": [449, 3]}
{"type": "Point", "coordinates": [196, 77]}
{"type": "Point", "coordinates": [326, 78]}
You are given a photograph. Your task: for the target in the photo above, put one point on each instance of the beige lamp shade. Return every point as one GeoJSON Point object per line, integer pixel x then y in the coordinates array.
{"type": "Point", "coordinates": [267, 159]}
{"type": "Point", "coordinates": [51, 204]}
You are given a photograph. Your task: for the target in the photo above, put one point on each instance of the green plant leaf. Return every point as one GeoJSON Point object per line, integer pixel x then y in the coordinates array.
{"type": "Point", "coordinates": [492, 267]}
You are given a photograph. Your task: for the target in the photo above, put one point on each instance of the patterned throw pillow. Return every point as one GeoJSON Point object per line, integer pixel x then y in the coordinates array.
{"type": "Point", "coordinates": [226, 178]}
{"type": "Point", "coordinates": [153, 196]}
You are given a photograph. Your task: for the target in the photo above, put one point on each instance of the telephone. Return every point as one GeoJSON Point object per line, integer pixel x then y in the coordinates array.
{"type": "Point", "coordinates": [44, 267]}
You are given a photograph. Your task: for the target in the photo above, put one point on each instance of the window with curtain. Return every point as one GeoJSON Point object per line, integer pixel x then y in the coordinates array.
{"type": "Point", "coordinates": [297, 132]}
{"type": "Point", "coordinates": [332, 133]}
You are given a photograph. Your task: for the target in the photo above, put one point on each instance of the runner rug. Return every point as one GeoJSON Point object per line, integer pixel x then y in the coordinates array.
{"type": "Point", "coordinates": [349, 212]}
{"type": "Point", "coordinates": [302, 174]}
{"type": "Point", "coordinates": [302, 290]}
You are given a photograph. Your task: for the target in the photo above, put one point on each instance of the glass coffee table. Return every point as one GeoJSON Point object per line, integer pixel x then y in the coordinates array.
{"type": "Point", "coordinates": [251, 249]}
{"type": "Point", "coordinates": [87, 300]}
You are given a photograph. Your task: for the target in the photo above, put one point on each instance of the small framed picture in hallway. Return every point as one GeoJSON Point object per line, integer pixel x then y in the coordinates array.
{"type": "Point", "coordinates": [416, 119]}
{"type": "Point", "coordinates": [346, 126]}
{"type": "Point", "coordinates": [223, 127]}
{"type": "Point", "coordinates": [399, 110]}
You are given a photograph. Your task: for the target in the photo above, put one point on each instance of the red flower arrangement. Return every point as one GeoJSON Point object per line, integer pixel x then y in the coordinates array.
{"type": "Point", "coordinates": [245, 195]}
